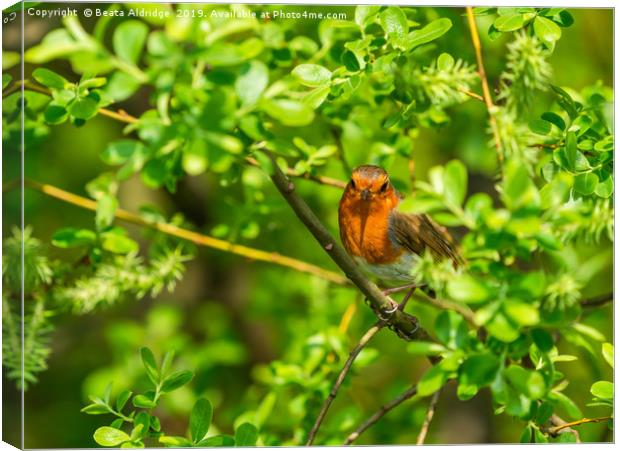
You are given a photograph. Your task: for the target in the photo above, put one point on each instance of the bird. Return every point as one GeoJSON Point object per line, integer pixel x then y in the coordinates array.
{"type": "Point", "coordinates": [383, 241]}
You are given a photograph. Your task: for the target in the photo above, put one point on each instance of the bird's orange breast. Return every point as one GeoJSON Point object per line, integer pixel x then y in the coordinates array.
{"type": "Point", "coordinates": [364, 228]}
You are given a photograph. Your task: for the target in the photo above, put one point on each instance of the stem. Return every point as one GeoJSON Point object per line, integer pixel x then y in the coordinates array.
{"type": "Point", "coordinates": [341, 376]}
{"type": "Point", "coordinates": [194, 237]}
{"type": "Point", "coordinates": [405, 325]}
{"type": "Point", "coordinates": [410, 392]}
{"type": "Point", "coordinates": [315, 178]}
{"type": "Point", "coordinates": [598, 300]}
{"type": "Point", "coordinates": [430, 412]}
{"type": "Point", "coordinates": [486, 93]}
{"type": "Point", "coordinates": [554, 430]}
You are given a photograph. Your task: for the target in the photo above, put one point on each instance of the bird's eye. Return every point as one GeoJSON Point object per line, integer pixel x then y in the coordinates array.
{"type": "Point", "coordinates": [352, 184]}
{"type": "Point", "coordinates": [384, 187]}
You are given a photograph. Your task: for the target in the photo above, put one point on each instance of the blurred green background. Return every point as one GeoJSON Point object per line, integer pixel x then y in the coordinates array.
{"type": "Point", "coordinates": [229, 318]}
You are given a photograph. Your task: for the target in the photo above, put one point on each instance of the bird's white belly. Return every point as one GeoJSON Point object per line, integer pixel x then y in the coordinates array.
{"type": "Point", "coordinates": [396, 272]}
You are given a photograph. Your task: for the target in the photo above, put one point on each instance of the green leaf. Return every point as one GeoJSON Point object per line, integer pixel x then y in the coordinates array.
{"type": "Point", "coordinates": [455, 182]}
{"type": "Point", "coordinates": [540, 127]}
{"type": "Point", "coordinates": [543, 339]}
{"type": "Point", "coordinates": [430, 32]}
{"type": "Point", "coordinates": [451, 329]}
{"type": "Point", "coordinates": [608, 353]}
{"type": "Point", "coordinates": [289, 112]}
{"type": "Point", "coordinates": [555, 119]}
{"type": "Point", "coordinates": [176, 380]}
{"type": "Point", "coordinates": [251, 82]}
{"type": "Point", "coordinates": [6, 79]}
{"type": "Point", "coordinates": [150, 365]}
{"type": "Point", "coordinates": [425, 348]}
{"type": "Point", "coordinates": [431, 381]}
{"type": "Point", "coordinates": [603, 389]}
{"type": "Point", "coordinates": [128, 40]}
{"type": "Point", "coordinates": [55, 114]}
{"type": "Point", "coordinates": [118, 243]}
{"type": "Point", "coordinates": [122, 399]}
{"type": "Point", "coordinates": [143, 402]}
{"type": "Point", "coordinates": [466, 288]}
{"type": "Point", "coordinates": [530, 383]}
{"type": "Point", "coordinates": [95, 409]}
{"type": "Point", "coordinates": [571, 409]}
{"type": "Point", "coordinates": [246, 435]}
{"type": "Point", "coordinates": [216, 440]}
{"type": "Point", "coordinates": [350, 61]}
{"type": "Point", "coordinates": [106, 209]}
{"type": "Point", "coordinates": [118, 152]}
{"type": "Point", "coordinates": [586, 183]}
{"type": "Point", "coordinates": [49, 78]}
{"type": "Point", "coordinates": [108, 436]}
{"type": "Point", "coordinates": [522, 313]}
{"type": "Point", "coordinates": [546, 30]}
{"type": "Point", "coordinates": [121, 86]}
{"type": "Point", "coordinates": [312, 75]}
{"type": "Point", "coordinates": [518, 189]}
{"type": "Point", "coordinates": [316, 97]}
{"type": "Point", "coordinates": [364, 14]}
{"type": "Point", "coordinates": [175, 441]}
{"type": "Point", "coordinates": [605, 188]}
{"type": "Point", "coordinates": [84, 107]}
{"type": "Point", "coordinates": [477, 371]}
{"type": "Point", "coordinates": [200, 419]}
{"type": "Point", "coordinates": [394, 22]}
{"type": "Point", "coordinates": [72, 237]}
{"type": "Point", "coordinates": [509, 22]}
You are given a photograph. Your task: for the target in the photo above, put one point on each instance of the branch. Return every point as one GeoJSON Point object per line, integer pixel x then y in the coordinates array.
{"type": "Point", "coordinates": [597, 301]}
{"type": "Point", "coordinates": [410, 392]}
{"type": "Point", "coordinates": [471, 94]}
{"type": "Point", "coordinates": [486, 93]}
{"type": "Point", "coordinates": [341, 376]}
{"type": "Point", "coordinates": [554, 430]}
{"type": "Point", "coordinates": [188, 235]}
{"type": "Point", "coordinates": [315, 178]}
{"type": "Point", "coordinates": [430, 412]}
{"type": "Point", "coordinates": [405, 325]}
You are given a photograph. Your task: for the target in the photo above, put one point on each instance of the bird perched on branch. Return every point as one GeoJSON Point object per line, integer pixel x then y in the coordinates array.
{"type": "Point", "coordinates": [381, 239]}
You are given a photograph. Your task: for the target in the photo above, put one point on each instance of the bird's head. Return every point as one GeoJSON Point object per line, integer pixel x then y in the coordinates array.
{"type": "Point", "coordinates": [370, 183]}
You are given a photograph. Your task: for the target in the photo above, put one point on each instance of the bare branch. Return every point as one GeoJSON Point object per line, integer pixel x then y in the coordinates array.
{"type": "Point", "coordinates": [315, 178]}
{"type": "Point", "coordinates": [189, 235]}
{"type": "Point", "coordinates": [430, 412]}
{"type": "Point", "coordinates": [563, 425]}
{"type": "Point", "coordinates": [410, 392]}
{"type": "Point", "coordinates": [597, 301]}
{"type": "Point", "coordinates": [486, 92]}
{"type": "Point", "coordinates": [340, 379]}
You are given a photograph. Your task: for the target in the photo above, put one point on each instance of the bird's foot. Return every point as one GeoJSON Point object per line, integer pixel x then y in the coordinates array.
{"type": "Point", "coordinates": [385, 314]}
{"type": "Point", "coordinates": [389, 291]}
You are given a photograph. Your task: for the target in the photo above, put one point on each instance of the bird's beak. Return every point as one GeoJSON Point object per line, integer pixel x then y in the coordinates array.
{"type": "Point", "coordinates": [365, 193]}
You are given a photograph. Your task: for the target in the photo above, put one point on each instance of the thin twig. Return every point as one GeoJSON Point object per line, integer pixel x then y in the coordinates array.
{"type": "Point", "coordinates": [340, 379]}
{"type": "Point", "coordinates": [430, 412]}
{"type": "Point", "coordinates": [410, 392]}
{"type": "Point", "coordinates": [597, 301]}
{"type": "Point", "coordinates": [405, 325]}
{"type": "Point", "coordinates": [471, 94]}
{"type": "Point", "coordinates": [194, 237]}
{"type": "Point", "coordinates": [554, 430]}
{"type": "Point", "coordinates": [486, 92]}
{"type": "Point", "coordinates": [315, 178]}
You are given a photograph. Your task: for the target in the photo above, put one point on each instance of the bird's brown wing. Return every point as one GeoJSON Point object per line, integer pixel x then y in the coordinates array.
{"type": "Point", "coordinates": [419, 232]}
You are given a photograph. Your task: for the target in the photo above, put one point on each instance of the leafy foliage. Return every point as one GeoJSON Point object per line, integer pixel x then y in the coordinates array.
{"type": "Point", "coordinates": [146, 427]}
{"type": "Point", "coordinates": [211, 97]}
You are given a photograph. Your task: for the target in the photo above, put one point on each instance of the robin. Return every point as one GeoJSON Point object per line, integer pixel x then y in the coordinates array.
{"type": "Point", "coordinates": [383, 241]}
